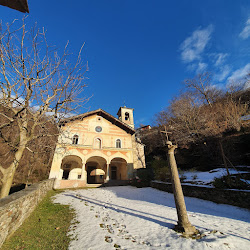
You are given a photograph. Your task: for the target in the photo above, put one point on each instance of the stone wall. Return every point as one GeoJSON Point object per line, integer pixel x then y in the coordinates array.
{"type": "Point", "coordinates": [224, 196]}
{"type": "Point", "coordinates": [62, 184]}
{"type": "Point", "coordinates": [15, 208]}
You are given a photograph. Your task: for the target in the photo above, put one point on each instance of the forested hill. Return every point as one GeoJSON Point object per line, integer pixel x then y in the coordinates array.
{"type": "Point", "coordinates": [35, 163]}
{"type": "Point", "coordinates": [209, 134]}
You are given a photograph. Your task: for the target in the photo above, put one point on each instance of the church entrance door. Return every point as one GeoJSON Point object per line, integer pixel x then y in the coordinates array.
{"type": "Point", "coordinates": [90, 179]}
{"type": "Point", "coordinates": [113, 173]}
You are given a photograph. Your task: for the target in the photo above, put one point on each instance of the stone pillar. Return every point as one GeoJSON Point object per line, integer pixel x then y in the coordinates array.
{"type": "Point", "coordinates": [107, 176]}
{"type": "Point", "coordinates": [84, 173]}
{"type": "Point", "coordinates": [183, 224]}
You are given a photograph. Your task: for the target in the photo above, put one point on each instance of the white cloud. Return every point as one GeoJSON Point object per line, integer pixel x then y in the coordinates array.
{"type": "Point", "coordinates": [15, 100]}
{"type": "Point", "coordinates": [239, 74]}
{"type": "Point", "coordinates": [224, 72]}
{"type": "Point", "coordinates": [245, 33]}
{"type": "Point", "coordinates": [214, 87]}
{"type": "Point", "coordinates": [201, 67]}
{"type": "Point", "coordinates": [193, 46]}
{"type": "Point", "coordinates": [220, 58]}
{"type": "Point", "coordinates": [192, 67]}
{"type": "Point", "coordinates": [247, 85]}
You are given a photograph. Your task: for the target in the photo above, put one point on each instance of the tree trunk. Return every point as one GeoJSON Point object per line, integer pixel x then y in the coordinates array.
{"type": "Point", "coordinates": [183, 224]}
{"type": "Point", "coordinates": [27, 179]}
{"type": "Point", "coordinates": [223, 157]}
{"type": "Point", "coordinates": [9, 173]}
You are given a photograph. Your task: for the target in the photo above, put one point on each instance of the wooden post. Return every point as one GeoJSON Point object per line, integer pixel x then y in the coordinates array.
{"type": "Point", "coordinates": [223, 157]}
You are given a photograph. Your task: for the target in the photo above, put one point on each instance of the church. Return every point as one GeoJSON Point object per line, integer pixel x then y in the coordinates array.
{"type": "Point", "coordinates": [97, 148]}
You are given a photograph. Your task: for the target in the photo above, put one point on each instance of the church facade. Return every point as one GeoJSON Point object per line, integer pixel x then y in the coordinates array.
{"type": "Point", "coordinates": [96, 148]}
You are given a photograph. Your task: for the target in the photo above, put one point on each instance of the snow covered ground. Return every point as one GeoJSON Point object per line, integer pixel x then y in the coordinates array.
{"type": "Point", "coordinates": [132, 218]}
{"type": "Point", "coordinates": [205, 178]}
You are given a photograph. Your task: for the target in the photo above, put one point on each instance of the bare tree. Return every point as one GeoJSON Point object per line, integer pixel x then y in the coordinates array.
{"type": "Point", "coordinates": [201, 85]}
{"type": "Point", "coordinates": [191, 120]}
{"type": "Point", "coordinates": [182, 118]}
{"type": "Point", "coordinates": [37, 88]}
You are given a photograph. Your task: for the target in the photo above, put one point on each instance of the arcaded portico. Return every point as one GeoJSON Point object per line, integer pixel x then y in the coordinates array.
{"type": "Point", "coordinates": [96, 148]}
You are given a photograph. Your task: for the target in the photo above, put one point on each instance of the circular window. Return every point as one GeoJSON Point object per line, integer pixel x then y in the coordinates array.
{"type": "Point", "coordinates": [98, 129]}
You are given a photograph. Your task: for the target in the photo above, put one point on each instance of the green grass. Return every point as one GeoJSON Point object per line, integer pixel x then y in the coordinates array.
{"type": "Point", "coordinates": [46, 227]}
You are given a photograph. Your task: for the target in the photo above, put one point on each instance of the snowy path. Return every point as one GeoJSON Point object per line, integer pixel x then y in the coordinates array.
{"type": "Point", "coordinates": [131, 218]}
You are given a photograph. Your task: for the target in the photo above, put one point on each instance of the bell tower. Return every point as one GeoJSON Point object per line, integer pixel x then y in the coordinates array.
{"type": "Point", "coordinates": [126, 115]}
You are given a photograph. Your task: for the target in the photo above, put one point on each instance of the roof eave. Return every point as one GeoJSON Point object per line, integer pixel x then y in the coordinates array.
{"type": "Point", "coordinates": [20, 5]}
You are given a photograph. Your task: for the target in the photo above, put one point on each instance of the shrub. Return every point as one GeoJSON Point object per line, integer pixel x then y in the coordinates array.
{"type": "Point", "coordinates": [234, 182]}
{"type": "Point", "coordinates": [142, 178]}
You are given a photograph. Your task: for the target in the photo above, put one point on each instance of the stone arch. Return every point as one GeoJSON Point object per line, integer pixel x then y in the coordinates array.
{"type": "Point", "coordinates": [97, 153]}
{"type": "Point", "coordinates": [71, 167]}
{"type": "Point", "coordinates": [93, 163]}
{"type": "Point", "coordinates": [71, 152]}
{"type": "Point", "coordinates": [118, 169]}
{"type": "Point", "coordinates": [119, 155]}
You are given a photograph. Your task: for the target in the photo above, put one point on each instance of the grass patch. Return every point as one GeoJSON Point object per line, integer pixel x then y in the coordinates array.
{"type": "Point", "coordinates": [46, 227]}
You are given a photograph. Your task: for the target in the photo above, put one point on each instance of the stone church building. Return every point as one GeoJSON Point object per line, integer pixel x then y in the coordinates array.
{"type": "Point", "coordinates": [96, 148]}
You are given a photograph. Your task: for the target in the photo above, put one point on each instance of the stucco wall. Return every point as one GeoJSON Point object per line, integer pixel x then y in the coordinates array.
{"type": "Point", "coordinates": [86, 150]}
{"type": "Point", "coordinates": [15, 208]}
{"type": "Point", "coordinates": [224, 196]}
{"type": "Point", "coordinates": [85, 129]}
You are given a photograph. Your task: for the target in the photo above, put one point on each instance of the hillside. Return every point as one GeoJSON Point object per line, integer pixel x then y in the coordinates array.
{"type": "Point", "coordinates": [36, 161]}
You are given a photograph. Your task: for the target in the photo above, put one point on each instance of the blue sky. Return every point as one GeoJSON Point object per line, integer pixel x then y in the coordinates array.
{"type": "Point", "coordinates": [139, 52]}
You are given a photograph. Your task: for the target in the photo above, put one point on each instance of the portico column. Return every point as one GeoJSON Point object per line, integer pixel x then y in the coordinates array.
{"type": "Point", "coordinates": [107, 176]}
{"type": "Point", "coordinates": [84, 173]}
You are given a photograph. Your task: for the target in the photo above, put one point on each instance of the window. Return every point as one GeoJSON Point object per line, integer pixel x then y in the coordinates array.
{"type": "Point", "coordinates": [98, 129]}
{"type": "Point", "coordinates": [75, 139]}
{"type": "Point", "coordinates": [118, 143]}
{"type": "Point", "coordinates": [97, 143]}
{"type": "Point", "coordinates": [79, 176]}
{"type": "Point", "coordinates": [126, 116]}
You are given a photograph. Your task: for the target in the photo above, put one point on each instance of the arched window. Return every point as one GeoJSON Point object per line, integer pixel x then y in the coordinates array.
{"type": "Point", "coordinates": [126, 116]}
{"type": "Point", "coordinates": [75, 139]}
{"type": "Point", "coordinates": [97, 143]}
{"type": "Point", "coordinates": [118, 143]}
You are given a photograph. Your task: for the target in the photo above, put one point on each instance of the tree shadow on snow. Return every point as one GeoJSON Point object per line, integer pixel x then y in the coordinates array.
{"type": "Point", "coordinates": [162, 221]}
{"type": "Point", "coordinates": [193, 205]}
{"type": "Point", "coordinates": [158, 197]}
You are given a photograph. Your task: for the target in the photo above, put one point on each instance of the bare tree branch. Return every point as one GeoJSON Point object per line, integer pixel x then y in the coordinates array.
{"type": "Point", "coordinates": [38, 88]}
